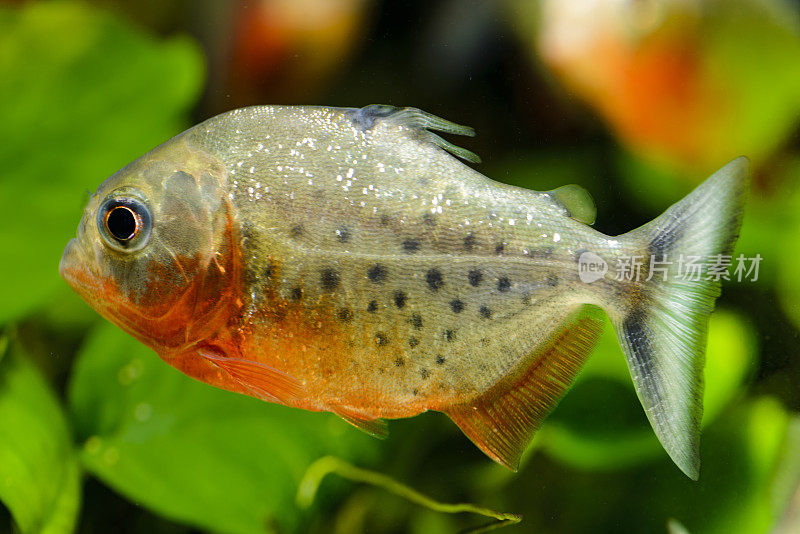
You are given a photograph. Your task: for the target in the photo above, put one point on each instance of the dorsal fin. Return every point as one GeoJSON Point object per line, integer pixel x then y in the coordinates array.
{"type": "Point", "coordinates": [502, 421]}
{"type": "Point", "coordinates": [416, 119]}
{"type": "Point", "coordinates": [577, 201]}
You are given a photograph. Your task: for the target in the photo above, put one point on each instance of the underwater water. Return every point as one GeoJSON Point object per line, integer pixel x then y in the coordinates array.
{"type": "Point", "coordinates": [637, 102]}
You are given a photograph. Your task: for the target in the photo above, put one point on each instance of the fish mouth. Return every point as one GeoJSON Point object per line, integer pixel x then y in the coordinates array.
{"type": "Point", "coordinates": [79, 270]}
{"type": "Point", "coordinates": [75, 268]}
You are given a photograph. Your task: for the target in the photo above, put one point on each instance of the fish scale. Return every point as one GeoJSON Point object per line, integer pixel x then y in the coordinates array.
{"type": "Point", "coordinates": [343, 260]}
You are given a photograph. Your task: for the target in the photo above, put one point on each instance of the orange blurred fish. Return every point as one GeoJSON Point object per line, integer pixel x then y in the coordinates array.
{"type": "Point", "coordinates": [341, 260]}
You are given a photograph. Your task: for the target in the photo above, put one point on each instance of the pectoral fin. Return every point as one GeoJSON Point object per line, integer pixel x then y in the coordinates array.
{"type": "Point", "coordinates": [502, 421]}
{"type": "Point", "coordinates": [264, 381]}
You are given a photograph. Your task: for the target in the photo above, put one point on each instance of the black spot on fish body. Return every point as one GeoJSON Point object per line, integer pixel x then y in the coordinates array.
{"type": "Point", "coordinates": [457, 306]}
{"type": "Point", "coordinates": [270, 271]}
{"type": "Point", "coordinates": [343, 234]}
{"type": "Point", "coordinates": [485, 312]}
{"type": "Point", "coordinates": [450, 335]}
{"type": "Point", "coordinates": [372, 307]}
{"type": "Point", "coordinates": [416, 321]}
{"type": "Point", "coordinates": [440, 360]}
{"type": "Point", "coordinates": [329, 278]}
{"type": "Point", "coordinates": [381, 339]}
{"type": "Point", "coordinates": [434, 279]}
{"type": "Point", "coordinates": [424, 373]}
{"type": "Point", "coordinates": [503, 284]}
{"type": "Point", "coordinates": [415, 392]}
{"type": "Point", "coordinates": [345, 315]}
{"type": "Point", "coordinates": [400, 299]}
{"type": "Point", "coordinates": [499, 248]}
{"type": "Point", "coordinates": [399, 362]}
{"type": "Point", "coordinates": [475, 277]}
{"type": "Point", "coordinates": [429, 219]}
{"type": "Point", "coordinates": [386, 220]}
{"type": "Point", "coordinates": [552, 280]}
{"type": "Point", "coordinates": [296, 293]}
{"type": "Point", "coordinates": [469, 242]}
{"type": "Point", "coordinates": [413, 342]}
{"type": "Point", "coordinates": [377, 273]}
{"type": "Point", "coordinates": [248, 232]}
{"type": "Point", "coordinates": [296, 230]}
{"type": "Point", "coordinates": [410, 246]}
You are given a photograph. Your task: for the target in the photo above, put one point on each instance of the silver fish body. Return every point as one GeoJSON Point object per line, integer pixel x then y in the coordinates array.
{"type": "Point", "coordinates": [427, 254]}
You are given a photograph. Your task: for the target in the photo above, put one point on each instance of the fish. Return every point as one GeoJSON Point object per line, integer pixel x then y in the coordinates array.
{"type": "Point", "coordinates": [347, 260]}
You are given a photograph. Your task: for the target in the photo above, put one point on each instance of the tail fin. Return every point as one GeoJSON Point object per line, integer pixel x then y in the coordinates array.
{"type": "Point", "coordinates": [662, 328]}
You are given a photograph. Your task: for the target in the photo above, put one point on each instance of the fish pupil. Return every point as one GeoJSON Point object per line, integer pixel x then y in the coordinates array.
{"type": "Point", "coordinates": [121, 223]}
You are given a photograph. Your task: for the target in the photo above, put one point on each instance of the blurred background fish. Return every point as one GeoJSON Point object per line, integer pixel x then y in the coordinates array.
{"type": "Point", "coordinates": [638, 102]}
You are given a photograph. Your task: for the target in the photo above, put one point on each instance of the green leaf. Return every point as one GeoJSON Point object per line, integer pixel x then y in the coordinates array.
{"type": "Point", "coordinates": [39, 474]}
{"type": "Point", "coordinates": [731, 356]}
{"type": "Point", "coordinates": [191, 452]}
{"type": "Point", "coordinates": [83, 94]}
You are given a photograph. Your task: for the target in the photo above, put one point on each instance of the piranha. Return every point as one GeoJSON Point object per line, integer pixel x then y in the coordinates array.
{"type": "Point", "coordinates": [343, 260]}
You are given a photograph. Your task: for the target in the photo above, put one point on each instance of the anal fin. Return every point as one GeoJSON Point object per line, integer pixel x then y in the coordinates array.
{"type": "Point", "coordinates": [262, 380]}
{"type": "Point", "coordinates": [502, 421]}
{"type": "Point", "coordinates": [376, 428]}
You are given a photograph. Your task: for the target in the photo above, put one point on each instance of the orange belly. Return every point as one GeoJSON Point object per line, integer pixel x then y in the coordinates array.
{"type": "Point", "coordinates": [340, 369]}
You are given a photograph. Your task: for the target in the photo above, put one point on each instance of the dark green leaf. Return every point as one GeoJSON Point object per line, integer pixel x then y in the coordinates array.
{"type": "Point", "coordinates": [39, 474]}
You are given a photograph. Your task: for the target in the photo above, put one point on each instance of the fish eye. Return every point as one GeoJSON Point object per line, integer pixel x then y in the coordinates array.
{"type": "Point", "coordinates": [121, 223]}
{"type": "Point", "coordinates": [124, 223]}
